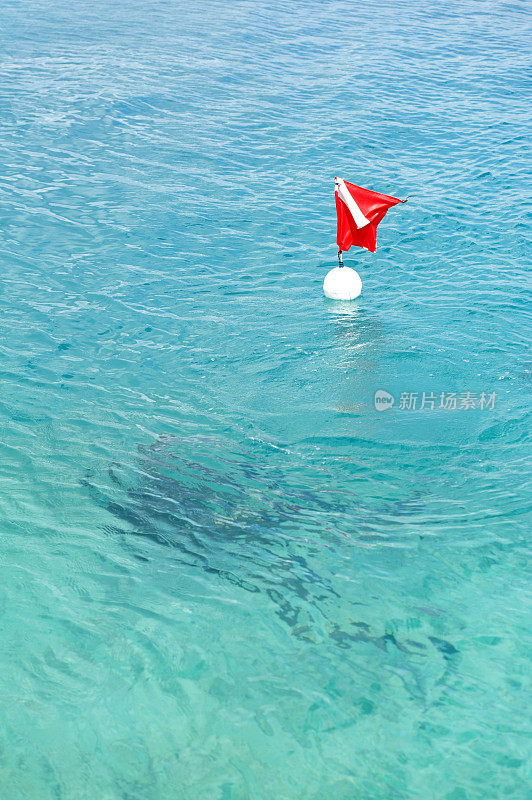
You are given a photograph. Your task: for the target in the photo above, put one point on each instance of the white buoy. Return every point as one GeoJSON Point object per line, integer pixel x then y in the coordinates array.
{"type": "Point", "coordinates": [342, 283]}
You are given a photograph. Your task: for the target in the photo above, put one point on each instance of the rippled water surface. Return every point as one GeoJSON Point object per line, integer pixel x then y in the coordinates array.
{"type": "Point", "coordinates": [224, 574]}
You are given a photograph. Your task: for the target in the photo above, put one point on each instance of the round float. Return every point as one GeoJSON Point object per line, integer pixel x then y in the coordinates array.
{"type": "Point", "coordinates": [342, 283]}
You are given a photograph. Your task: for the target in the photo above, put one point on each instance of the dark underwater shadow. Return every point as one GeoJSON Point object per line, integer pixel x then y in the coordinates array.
{"type": "Point", "coordinates": [237, 522]}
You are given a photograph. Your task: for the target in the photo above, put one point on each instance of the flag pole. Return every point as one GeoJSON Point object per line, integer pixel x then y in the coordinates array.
{"type": "Point", "coordinates": [340, 259]}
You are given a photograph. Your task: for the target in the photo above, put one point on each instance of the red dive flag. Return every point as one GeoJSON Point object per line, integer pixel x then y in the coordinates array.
{"type": "Point", "coordinates": [359, 212]}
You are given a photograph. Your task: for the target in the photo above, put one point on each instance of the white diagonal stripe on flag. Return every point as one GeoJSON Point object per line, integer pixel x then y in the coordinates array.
{"type": "Point", "coordinates": [360, 220]}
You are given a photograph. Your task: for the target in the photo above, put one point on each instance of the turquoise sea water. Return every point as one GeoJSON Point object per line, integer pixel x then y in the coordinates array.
{"type": "Point", "coordinates": [224, 574]}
